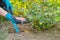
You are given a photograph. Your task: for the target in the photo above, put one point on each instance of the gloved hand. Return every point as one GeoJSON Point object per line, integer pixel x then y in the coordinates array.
{"type": "Point", "coordinates": [20, 21]}
{"type": "Point", "coordinates": [9, 17]}
{"type": "Point", "coordinates": [8, 6]}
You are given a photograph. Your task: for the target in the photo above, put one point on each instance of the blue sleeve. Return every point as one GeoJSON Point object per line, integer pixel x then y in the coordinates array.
{"type": "Point", "coordinates": [8, 5]}
{"type": "Point", "coordinates": [9, 17]}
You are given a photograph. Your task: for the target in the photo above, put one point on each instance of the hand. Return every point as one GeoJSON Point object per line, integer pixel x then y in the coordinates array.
{"type": "Point", "coordinates": [20, 18]}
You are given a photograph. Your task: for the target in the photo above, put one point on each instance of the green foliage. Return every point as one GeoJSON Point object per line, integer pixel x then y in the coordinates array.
{"type": "Point", "coordinates": [2, 18]}
{"type": "Point", "coordinates": [42, 16]}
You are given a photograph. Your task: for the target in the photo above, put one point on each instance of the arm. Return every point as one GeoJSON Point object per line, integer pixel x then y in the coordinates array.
{"type": "Point", "coordinates": [10, 18]}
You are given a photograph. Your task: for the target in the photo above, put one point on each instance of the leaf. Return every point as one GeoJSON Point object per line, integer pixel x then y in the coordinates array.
{"type": "Point", "coordinates": [57, 18]}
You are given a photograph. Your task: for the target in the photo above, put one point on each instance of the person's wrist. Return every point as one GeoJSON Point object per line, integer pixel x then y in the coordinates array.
{"type": "Point", "coordinates": [8, 16]}
{"type": "Point", "coordinates": [2, 12]}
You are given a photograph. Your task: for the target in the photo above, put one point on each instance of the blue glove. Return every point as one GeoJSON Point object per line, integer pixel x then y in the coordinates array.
{"type": "Point", "coordinates": [8, 5]}
{"type": "Point", "coordinates": [9, 17]}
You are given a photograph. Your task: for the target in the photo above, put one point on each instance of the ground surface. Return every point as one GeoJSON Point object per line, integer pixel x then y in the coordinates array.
{"type": "Point", "coordinates": [51, 34]}
{"type": "Point", "coordinates": [47, 35]}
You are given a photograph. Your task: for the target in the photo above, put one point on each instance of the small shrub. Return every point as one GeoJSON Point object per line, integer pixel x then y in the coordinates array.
{"type": "Point", "coordinates": [42, 16]}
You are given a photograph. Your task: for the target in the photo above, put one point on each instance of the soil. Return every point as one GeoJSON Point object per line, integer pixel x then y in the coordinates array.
{"type": "Point", "coordinates": [27, 33]}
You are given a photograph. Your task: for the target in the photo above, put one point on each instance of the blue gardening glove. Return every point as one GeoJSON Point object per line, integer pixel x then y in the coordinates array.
{"type": "Point", "coordinates": [8, 5]}
{"type": "Point", "coordinates": [9, 17]}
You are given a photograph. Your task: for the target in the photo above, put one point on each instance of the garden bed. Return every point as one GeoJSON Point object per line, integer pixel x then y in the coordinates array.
{"type": "Point", "coordinates": [27, 27]}
{"type": "Point", "coordinates": [51, 34]}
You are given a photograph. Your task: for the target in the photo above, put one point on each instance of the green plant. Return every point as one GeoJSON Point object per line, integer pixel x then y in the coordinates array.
{"type": "Point", "coordinates": [1, 18]}
{"type": "Point", "coordinates": [42, 16]}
